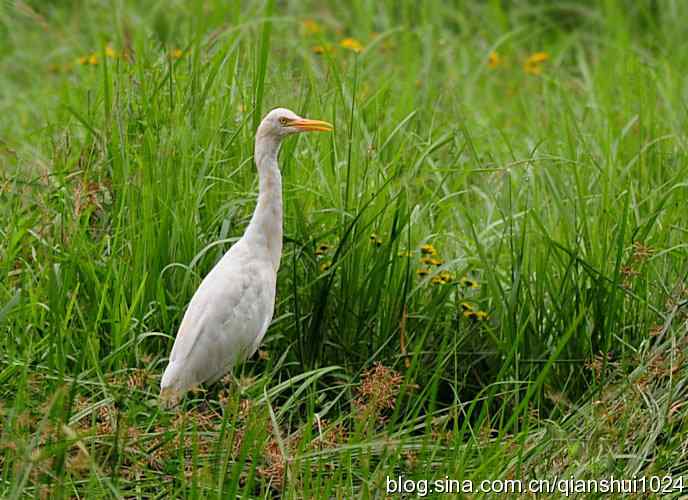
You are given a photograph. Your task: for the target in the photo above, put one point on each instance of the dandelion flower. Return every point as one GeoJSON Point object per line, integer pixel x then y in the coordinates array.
{"type": "Point", "coordinates": [538, 57]}
{"type": "Point", "coordinates": [442, 278]}
{"type": "Point", "coordinates": [93, 59]}
{"type": "Point", "coordinates": [351, 44]}
{"type": "Point", "coordinates": [494, 60]}
{"type": "Point", "coordinates": [469, 283]}
{"type": "Point", "coordinates": [176, 54]}
{"type": "Point", "coordinates": [322, 249]}
{"type": "Point", "coordinates": [475, 315]}
{"type": "Point", "coordinates": [110, 52]}
{"type": "Point", "coordinates": [533, 65]}
{"type": "Point", "coordinates": [428, 249]}
{"type": "Point", "coordinates": [310, 27]}
{"type": "Point", "coordinates": [322, 49]}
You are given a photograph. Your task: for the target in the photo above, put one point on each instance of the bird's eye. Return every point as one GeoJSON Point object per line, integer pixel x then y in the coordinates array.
{"type": "Point", "coordinates": [283, 120]}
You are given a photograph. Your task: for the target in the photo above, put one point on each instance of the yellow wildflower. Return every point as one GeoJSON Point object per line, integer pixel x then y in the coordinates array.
{"type": "Point", "coordinates": [110, 52]}
{"type": "Point", "coordinates": [91, 59]}
{"type": "Point", "coordinates": [176, 54]}
{"type": "Point", "coordinates": [428, 249]}
{"type": "Point", "coordinates": [310, 27]}
{"type": "Point", "coordinates": [322, 249]}
{"type": "Point", "coordinates": [475, 315]}
{"type": "Point", "coordinates": [538, 57]}
{"type": "Point", "coordinates": [466, 306]}
{"type": "Point", "coordinates": [351, 44]}
{"type": "Point", "coordinates": [325, 266]}
{"type": "Point", "coordinates": [469, 283]}
{"type": "Point", "coordinates": [405, 253]}
{"type": "Point", "coordinates": [533, 65]}
{"type": "Point", "coordinates": [422, 272]}
{"type": "Point", "coordinates": [442, 278]}
{"type": "Point", "coordinates": [494, 60]}
{"type": "Point", "coordinates": [375, 240]}
{"type": "Point", "coordinates": [322, 49]}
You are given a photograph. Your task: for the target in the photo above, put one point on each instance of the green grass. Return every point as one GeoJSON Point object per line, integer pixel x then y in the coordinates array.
{"type": "Point", "coordinates": [561, 194]}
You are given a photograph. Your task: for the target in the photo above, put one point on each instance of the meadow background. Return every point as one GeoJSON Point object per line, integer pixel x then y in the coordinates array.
{"type": "Point", "coordinates": [484, 272]}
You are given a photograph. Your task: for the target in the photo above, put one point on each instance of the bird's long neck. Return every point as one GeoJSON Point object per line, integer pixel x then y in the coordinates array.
{"type": "Point", "coordinates": [265, 228]}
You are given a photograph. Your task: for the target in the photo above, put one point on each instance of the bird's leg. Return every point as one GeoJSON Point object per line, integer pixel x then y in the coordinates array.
{"type": "Point", "coordinates": [227, 383]}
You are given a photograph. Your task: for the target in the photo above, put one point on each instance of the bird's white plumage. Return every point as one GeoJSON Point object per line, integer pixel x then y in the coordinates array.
{"type": "Point", "coordinates": [225, 321]}
{"type": "Point", "coordinates": [230, 312]}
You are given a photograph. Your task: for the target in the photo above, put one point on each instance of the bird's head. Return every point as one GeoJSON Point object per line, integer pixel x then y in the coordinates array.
{"type": "Point", "coordinates": [281, 122]}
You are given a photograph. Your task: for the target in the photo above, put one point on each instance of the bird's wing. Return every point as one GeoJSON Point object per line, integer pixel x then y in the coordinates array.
{"type": "Point", "coordinates": [229, 311]}
{"type": "Point", "coordinates": [261, 334]}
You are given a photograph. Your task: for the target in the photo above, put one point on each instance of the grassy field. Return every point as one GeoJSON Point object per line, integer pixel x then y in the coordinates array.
{"type": "Point", "coordinates": [484, 269]}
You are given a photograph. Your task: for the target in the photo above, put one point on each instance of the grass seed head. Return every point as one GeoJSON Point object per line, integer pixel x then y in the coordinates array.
{"type": "Point", "coordinates": [378, 390]}
{"type": "Point", "coordinates": [641, 251]}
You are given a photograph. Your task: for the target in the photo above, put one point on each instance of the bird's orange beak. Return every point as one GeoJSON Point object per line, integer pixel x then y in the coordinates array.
{"type": "Point", "coordinates": [311, 125]}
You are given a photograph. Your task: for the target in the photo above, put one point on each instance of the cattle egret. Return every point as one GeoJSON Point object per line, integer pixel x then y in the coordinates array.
{"type": "Point", "coordinates": [232, 308]}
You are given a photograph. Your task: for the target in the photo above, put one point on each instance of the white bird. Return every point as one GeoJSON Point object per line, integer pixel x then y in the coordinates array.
{"type": "Point", "coordinates": [232, 308]}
